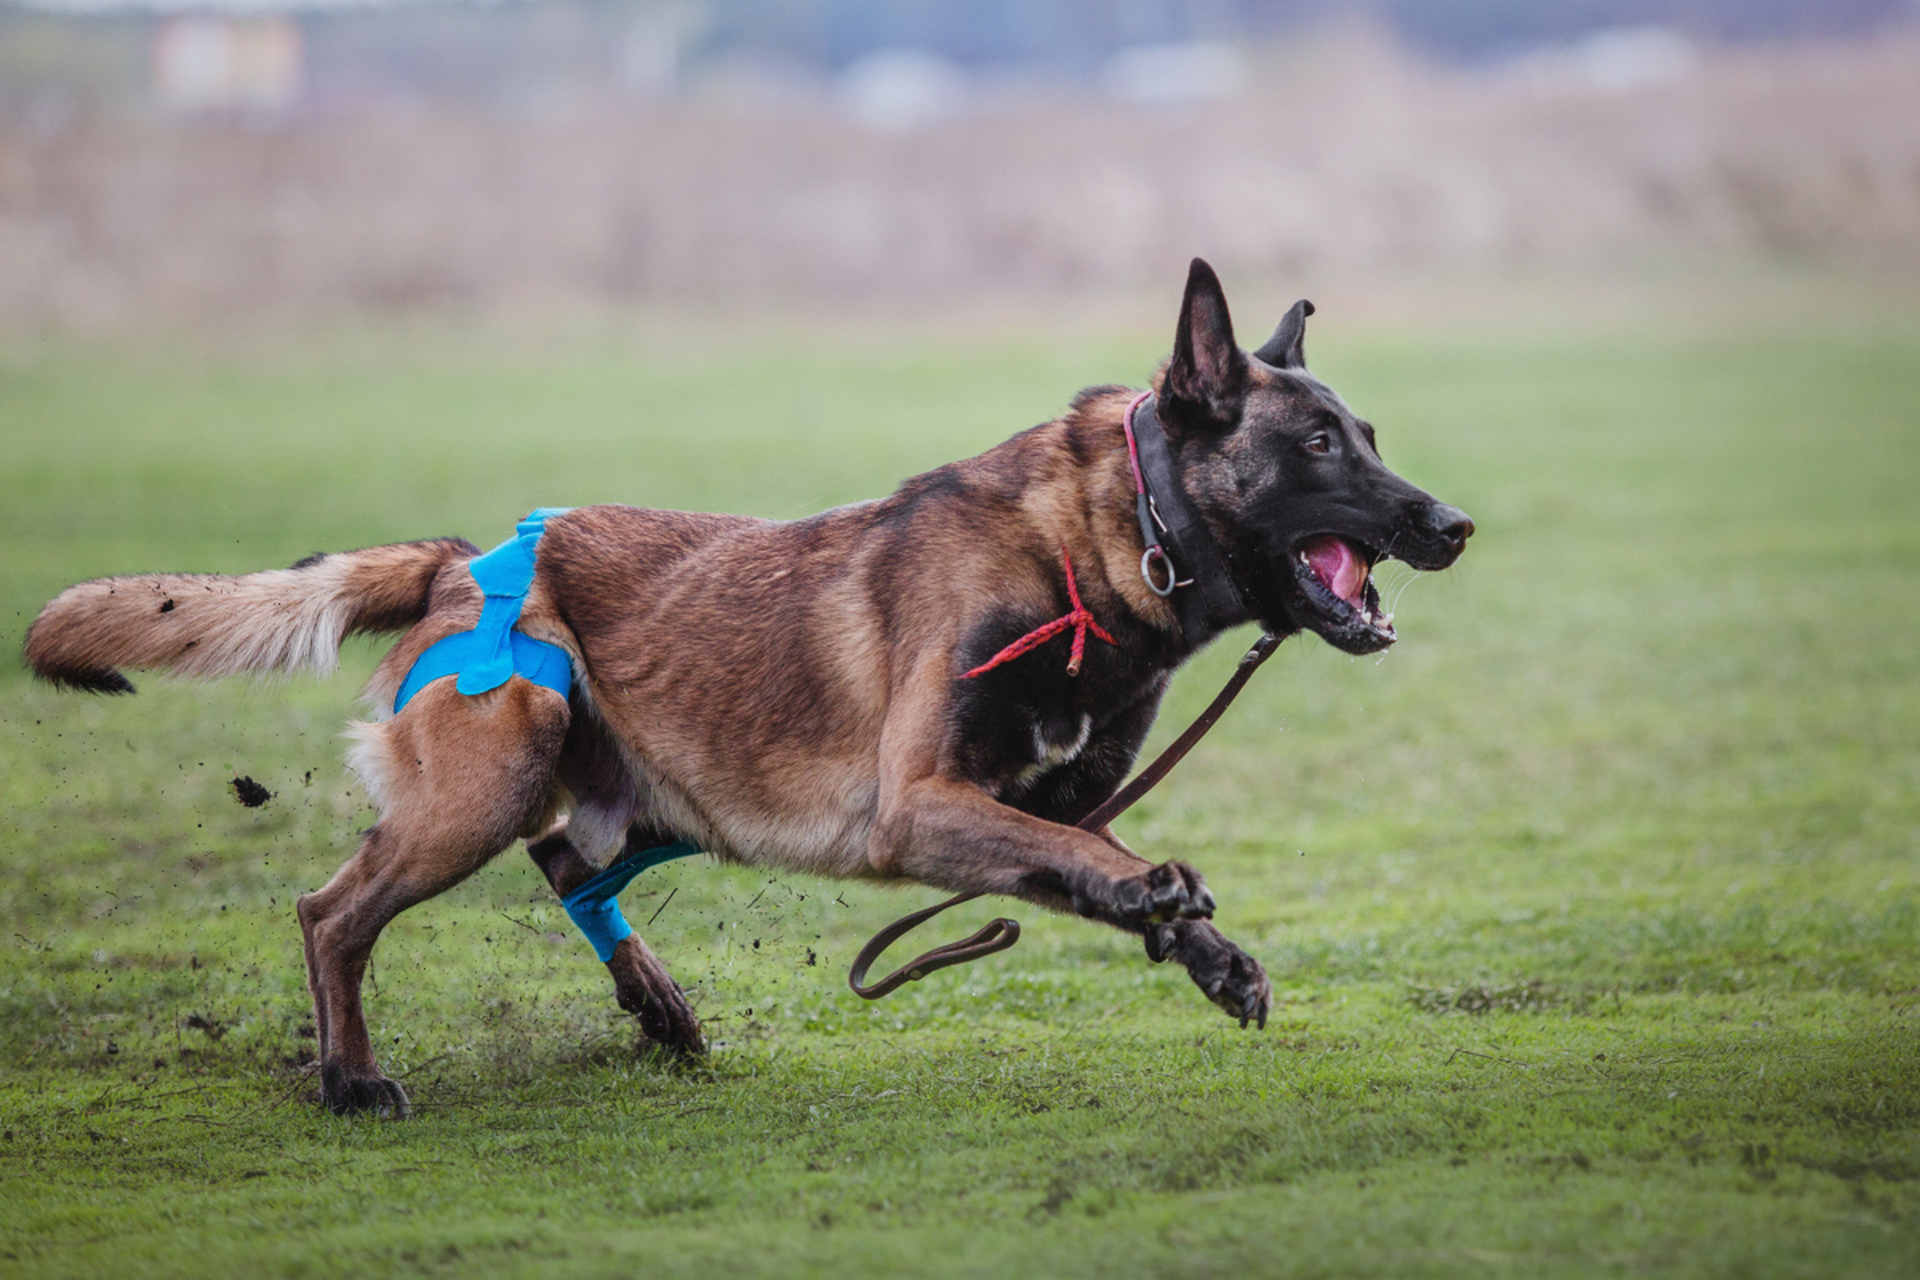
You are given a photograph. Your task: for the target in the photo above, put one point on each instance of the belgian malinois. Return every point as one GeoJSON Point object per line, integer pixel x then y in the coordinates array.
{"type": "Point", "coordinates": [931, 687]}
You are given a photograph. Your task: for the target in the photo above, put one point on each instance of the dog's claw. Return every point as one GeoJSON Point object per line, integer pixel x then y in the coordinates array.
{"type": "Point", "coordinates": [352, 1095]}
{"type": "Point", "coordinates": [645, 989]}
{"type": "Point", "coordinates": [665, 1017]}
{"type": "Point", "coordinates": [1170, 891]}
{"type": "Point", "coordinates": [1224, 973]}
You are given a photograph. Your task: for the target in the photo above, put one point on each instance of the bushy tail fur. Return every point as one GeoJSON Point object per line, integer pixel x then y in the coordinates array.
{"type": "Point", "coordinates": [210, 625]}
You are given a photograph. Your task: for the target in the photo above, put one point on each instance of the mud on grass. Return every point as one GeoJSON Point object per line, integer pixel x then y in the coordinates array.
{"type": "Point", "coordinates": [1592, 911]}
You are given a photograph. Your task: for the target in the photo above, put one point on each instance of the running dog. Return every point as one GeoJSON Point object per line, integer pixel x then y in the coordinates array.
{"type": "Point", "coordinates": [931, 687]}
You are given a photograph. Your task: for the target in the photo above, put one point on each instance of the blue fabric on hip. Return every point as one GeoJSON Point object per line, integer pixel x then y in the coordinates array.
{"type": "Point", "coordinates": [593, 907]}
{"type": "Point", "coordinates": [490, 654]}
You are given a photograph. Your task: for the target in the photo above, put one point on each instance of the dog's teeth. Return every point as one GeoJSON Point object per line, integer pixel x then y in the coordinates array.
{"type": "Point", "coordinates": [1386, 619]}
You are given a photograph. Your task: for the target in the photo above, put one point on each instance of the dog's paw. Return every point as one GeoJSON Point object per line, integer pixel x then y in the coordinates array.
{"type": "Point", "coordinates": [665, 1016]}
{"type": "Point", "coordinates": [1170, 891]}
{"type": "Point", "coordinates": [1224, 973]}
{"type": "Point", "coordinates": [348, 1094]}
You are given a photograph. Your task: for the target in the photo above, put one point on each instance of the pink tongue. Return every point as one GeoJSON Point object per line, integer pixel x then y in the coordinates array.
{"type": "Point", "coordinates": [1335, 564]}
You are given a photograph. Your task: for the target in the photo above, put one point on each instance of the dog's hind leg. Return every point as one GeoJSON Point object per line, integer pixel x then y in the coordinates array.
{"type": "Point", "coordinates": [641, 982]}
{"type": "Point", "coordinates": [457, 779]}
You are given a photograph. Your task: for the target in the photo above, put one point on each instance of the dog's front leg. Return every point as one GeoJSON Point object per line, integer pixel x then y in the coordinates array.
{"type": "Point", "coordinates": [953, 835]}
{"type": "Point", "coordinates": [641, 983]}
{"type": "Point", "coordinates": [956, 837]}
{"type": "Point", "coordinates": [939, 827]}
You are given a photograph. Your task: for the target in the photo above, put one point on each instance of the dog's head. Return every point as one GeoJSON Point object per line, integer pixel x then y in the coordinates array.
{"type": "Point", "coordinates": [1289, 480]}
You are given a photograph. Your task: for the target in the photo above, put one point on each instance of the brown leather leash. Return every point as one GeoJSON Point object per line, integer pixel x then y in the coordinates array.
{"type": "Point", "coordinates": [1002, 933]}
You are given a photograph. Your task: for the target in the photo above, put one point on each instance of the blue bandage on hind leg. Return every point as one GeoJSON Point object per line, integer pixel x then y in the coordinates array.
{"type": "Point", "coordinates": [603, 924]}
{"type": "Point", "coordinates": [593, 906]}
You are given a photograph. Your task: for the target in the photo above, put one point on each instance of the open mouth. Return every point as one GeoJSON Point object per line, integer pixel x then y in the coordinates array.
{"type": "Point", "coordinates": [1336, 576]}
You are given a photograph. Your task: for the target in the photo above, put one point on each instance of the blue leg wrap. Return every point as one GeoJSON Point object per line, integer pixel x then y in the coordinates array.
{"type": "Point", "coordinates": [593, 906]}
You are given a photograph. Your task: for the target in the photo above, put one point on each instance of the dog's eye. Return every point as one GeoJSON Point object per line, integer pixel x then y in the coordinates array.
{"type": "Point", "coordinates": [1320, 442]}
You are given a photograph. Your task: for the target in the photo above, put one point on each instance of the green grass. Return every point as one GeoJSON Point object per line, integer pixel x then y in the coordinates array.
{"type": "Point", "coordinates": [1593, 910]}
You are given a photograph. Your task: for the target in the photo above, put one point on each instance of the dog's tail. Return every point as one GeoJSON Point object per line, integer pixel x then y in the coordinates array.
{"type": "Point", "coordinates": [282, 620]}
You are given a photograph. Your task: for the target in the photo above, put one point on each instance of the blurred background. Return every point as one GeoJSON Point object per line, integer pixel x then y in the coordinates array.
{"type": "Point", "coordinates": [1635, 282]}
{"type": "Point", "coordinates": [227, 162]}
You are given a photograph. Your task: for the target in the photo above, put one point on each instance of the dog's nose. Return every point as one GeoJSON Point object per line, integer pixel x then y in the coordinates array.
{"type": "Point", "coordinates": [1452, 524]}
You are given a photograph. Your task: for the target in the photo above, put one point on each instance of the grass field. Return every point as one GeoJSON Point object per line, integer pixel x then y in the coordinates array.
{"type": "Point", "coordinates": [1593, 909]}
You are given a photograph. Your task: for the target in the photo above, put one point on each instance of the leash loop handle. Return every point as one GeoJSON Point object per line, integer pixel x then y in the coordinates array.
{"type": "Point", "coordinates": [1002, 933]}
{"type": "Point", "coordinates": [998, 935]}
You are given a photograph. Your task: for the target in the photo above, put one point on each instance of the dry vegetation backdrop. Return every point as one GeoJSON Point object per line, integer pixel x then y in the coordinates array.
{"type": "Point", "coordinates": [1344, 156]}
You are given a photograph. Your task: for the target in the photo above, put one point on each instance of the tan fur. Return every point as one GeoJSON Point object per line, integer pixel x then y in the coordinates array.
{"type": "Point", "coordinates": [795, 694]}
{"type": "Point", "coordinates": [710, 642]}
{"type": "Point", "coordinates": [283, 620]}
{"type": "Point", "coordinates": [772, 692]}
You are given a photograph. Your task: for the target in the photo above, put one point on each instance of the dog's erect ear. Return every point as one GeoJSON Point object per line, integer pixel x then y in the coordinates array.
{"type": "Point", "coordinates": [1208, 373]}
{"type": "Point", "coordinates": [1285, 349]}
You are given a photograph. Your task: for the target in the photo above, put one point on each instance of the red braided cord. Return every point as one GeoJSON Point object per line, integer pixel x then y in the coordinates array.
{"type": "Point", "coordinates": [1080, 619]}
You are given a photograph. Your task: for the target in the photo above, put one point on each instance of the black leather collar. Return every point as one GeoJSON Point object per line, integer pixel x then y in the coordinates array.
{"type": "Point", "coordinates": [1202, 590]}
